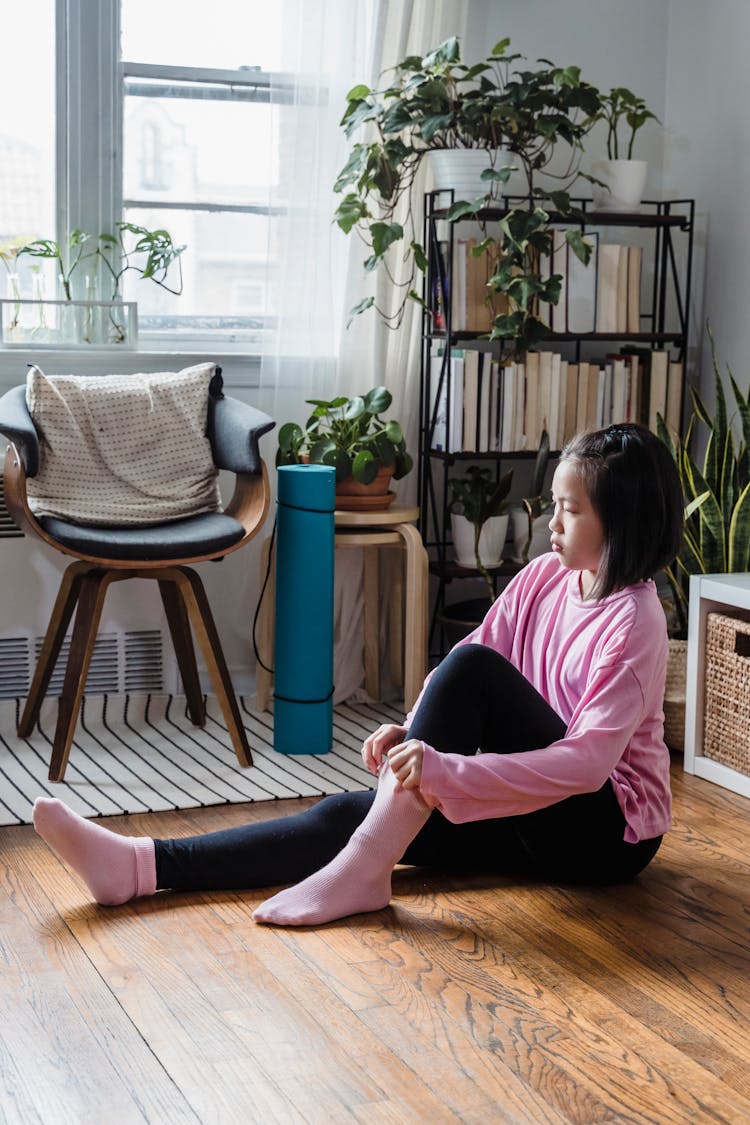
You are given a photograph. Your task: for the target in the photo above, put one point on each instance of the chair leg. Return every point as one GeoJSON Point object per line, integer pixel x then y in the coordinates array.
{"type": "Point", "coordinates": [179, 628]}
{"type": "Point", "coordinates": [93, 590]}
{"type": "Point", "coordinates": [265, 631]}
{"type": "Point", "coordinates": [65, 603]}
{"type": "Point", "coordinates": [201, 619]}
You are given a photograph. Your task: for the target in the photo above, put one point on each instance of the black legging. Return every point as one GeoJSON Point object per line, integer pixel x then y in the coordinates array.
{"type": "Point", "coordinates": [475, 699]}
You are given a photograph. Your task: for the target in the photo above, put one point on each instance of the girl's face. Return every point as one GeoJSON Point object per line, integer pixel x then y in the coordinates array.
{"type": "Point", "coordinates": [577, 533]}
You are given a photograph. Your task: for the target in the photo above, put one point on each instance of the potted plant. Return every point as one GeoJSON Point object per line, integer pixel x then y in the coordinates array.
{"type": "Point", "coordinates": [717, 495]}
{"type": "Point", "coordinates": [479, 519]}
{"type": "Point", "coordinates": [349, 434]}
{"type": "Point", "coordinates": [149, 253]}
{"type": "Point", "coordinates": [436, 102]}
{"type": "Point", "coordinates": [717, 521]}
{"type": "Point", "coordinates": [619, 181]}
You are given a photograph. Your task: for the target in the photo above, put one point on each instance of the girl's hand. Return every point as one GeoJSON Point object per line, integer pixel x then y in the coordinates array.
{"type": "Point", "coordinates": [406, 763]}
{"type": "Point", "coordinates": [377, 745]}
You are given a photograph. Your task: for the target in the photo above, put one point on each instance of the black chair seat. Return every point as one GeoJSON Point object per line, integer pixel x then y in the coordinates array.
{"type": "Point", "coordinates": [198, 535]}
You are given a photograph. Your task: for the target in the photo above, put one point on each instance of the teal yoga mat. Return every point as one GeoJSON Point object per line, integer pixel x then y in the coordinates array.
{"type": "Point", "coordinates": [303, 670]}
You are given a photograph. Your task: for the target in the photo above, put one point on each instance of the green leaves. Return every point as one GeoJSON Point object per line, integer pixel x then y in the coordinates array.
{"type": "Point", "coordinates": [717, 495]}
{"type": "Point", "coordinates": [347, 433]}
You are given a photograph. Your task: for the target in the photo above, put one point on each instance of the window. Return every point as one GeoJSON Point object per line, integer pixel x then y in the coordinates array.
{"type": "Point", "coordinates": [168, 119]}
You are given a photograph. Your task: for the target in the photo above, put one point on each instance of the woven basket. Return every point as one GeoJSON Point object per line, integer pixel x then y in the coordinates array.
{"type": "Point", "coordinates": [674, 695]}
{"type": "Point", "coordinates": [726, 731]}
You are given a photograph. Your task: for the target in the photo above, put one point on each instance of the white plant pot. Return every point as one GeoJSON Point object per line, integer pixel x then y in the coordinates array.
{"type": "Point", "coordinates": [519, 534]}
{"type": "Point", "coordinates": [626, 180]}
{"type": "Point", "coordinates": [460, 169]}
{"type": "Point", "coordinates": [491, 540]}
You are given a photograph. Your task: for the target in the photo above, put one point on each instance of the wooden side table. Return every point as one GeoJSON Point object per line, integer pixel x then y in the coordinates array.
{"type": "Point", "coordinates": [709, 593]}
{"type": "Point", "coordinates": [393, 527]}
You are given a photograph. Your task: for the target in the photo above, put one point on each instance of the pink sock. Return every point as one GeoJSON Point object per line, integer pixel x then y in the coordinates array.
{"type": "Point", "coordinates": [358, 879]}
{"type": "Point", "coordinates": [115, 868]}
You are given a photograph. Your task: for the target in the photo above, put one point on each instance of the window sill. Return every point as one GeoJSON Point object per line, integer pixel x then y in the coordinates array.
{"type": "Point", "coordinates": [239, 369]}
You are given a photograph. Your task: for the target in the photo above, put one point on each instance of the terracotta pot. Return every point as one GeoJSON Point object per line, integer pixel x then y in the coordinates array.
{"type": "Point", "coordinates": [351, 494]}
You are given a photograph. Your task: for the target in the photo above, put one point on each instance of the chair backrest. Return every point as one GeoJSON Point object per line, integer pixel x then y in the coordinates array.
{"type": "Point", "coordinates": [86, 458]}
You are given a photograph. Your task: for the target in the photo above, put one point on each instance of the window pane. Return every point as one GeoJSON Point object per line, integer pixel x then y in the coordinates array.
{"type": "Point", "coordinates": [226, 283]}
{"type": "Point", "coordinates": [192, 151]}
{"type": "Point", "coordinates": [27, 137]}
{"type": "Point", "coordinates": [224, 34]}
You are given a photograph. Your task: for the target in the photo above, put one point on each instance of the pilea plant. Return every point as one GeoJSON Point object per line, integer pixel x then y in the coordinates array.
{"type": "Point", "coordinates": [350, 435]}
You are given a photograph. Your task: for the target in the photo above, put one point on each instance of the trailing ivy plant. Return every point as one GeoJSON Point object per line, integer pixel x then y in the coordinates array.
{"type": "Point", "coordinates": [434, 102]}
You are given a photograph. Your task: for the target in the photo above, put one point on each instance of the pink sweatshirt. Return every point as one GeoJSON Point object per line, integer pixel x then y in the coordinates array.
{"type": "Point", "coordinates": [602, 666]}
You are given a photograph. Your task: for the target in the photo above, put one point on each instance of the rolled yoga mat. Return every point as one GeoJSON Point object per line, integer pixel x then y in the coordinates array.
{"type": "Point", "coordinates": [303, 644]}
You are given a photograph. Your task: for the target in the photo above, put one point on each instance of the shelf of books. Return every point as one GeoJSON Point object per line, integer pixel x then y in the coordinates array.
{"type": "Point", "coordinates": [615, 350]}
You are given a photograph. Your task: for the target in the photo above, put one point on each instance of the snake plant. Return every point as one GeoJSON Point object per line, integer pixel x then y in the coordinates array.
{"type": "Point", "coordinates": [717, 494]}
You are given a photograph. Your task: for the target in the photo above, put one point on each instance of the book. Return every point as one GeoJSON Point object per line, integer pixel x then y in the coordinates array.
{"type": "Point", "coordinates": [621, 316]}
{"type": "Point", "coordinates": [437, 426]}
{"type": "Point", "coordinates": [519, 407]}
{"type": "Point", "coordinates": [484, 420]}
{"type": "Point", "coordinates": [559, 312]}
{"type": "Point", "coordinates": [556, 384]}
{"type": "Point", "coordinates": [642, 357]}
{"type": "Point", "coordinates": [591, 422]}
{"type": "Point", "coordinates": [544, 399]}
{"type": "Point", "coordinates": [458, 287]}
{"type": "Point", "coordinates": [606, 290]}
{"type": "Point", "coordinates": [658, 389]}
{"type": "Point", "coordinates": [582, 397]}
{"type": "Point", "coordinates": [581, 289]}
{"type": "Point", "coordinates": [471, 401]}
{"type": "Point", "coordinates": [674, 398]}
{"type": "Point", "coordinates": [507, 377]}
{"type": "Point", "coordinates": [619, 389]}
{"type": "Point", "coordinates": [478, 313]}
{"type": "Point", "coordinates": [532, 424]}
{"type": "Point", "coordinates": [571, 402]}
{"type": "Point", "coordinates": [635, 389]}
{"type": "Point", "coordinates": [635, 262]}
{"type": "Point", "coordinates": [447, 389]}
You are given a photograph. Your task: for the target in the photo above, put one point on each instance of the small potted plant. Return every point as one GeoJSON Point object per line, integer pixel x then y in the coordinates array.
{"type": "Point", "coordinates": [349, 434]}
{"type": "Point", "coordinates": [149, 253]}
{"type": "Point", "coordinates": [479, 519]}
{"type": "Point", "coordinates": [618, 181]}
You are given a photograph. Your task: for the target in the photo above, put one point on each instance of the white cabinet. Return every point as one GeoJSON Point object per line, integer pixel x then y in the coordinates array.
{"type": "Point", "coordinates": [709, 593]}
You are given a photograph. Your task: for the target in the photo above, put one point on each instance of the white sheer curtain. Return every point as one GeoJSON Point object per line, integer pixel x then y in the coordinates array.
{"type": "Point", "coordinates": [330, 45]}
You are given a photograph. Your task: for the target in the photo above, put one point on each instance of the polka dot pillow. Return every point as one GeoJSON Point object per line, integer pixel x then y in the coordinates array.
{"type": "Point", "coordinates": [122, 450]}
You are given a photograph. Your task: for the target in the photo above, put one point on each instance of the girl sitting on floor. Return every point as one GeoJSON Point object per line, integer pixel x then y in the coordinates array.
{"type": "Point", "coordinates": [560, 688]}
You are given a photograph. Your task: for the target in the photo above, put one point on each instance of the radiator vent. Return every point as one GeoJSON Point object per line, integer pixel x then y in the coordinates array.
{"type": "Point", "coordinates": [121, 662]}
{"type": "Point", "coordinates": [8, 529]}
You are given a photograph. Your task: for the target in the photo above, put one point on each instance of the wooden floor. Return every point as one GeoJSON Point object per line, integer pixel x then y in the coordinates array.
{"type": "Point", "coordinates": [479, 1000]}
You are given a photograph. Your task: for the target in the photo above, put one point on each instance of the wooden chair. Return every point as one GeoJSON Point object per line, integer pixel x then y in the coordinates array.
{"type": "Point", "coordinates": [163, 552]}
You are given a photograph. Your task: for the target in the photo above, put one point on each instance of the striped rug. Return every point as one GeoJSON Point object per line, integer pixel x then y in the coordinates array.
{"type": "Point", "coordinates": [140, 753]}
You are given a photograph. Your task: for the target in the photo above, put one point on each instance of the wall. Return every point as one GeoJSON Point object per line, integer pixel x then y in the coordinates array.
{"type": "Point", "coordinates": [687, 58]}
{"type": "Point", "coordinates": [707, 155]}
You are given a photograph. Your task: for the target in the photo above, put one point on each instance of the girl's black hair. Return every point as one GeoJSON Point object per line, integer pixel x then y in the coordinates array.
{"type": "Point", "coordinates": [634, 487]}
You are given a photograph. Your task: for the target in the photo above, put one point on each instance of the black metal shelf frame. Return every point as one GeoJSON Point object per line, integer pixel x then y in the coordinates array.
{"type": "Point", "coordinates": [665, 218]}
